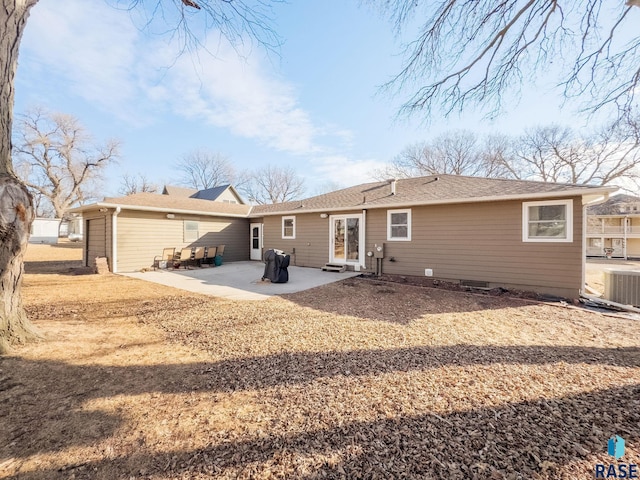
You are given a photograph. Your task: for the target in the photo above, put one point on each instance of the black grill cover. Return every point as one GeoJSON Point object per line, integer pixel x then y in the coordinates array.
{"type": "Point", "coordinates": [276, 264]}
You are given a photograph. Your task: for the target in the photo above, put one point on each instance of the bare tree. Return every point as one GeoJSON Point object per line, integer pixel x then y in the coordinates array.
{"type": "Point", "coordinates": [469, 51]}
{"type": "Point", "coordinates": [139, 183]}
{"type": "Point", "coordinates": [205, 169]}
{"type": "Point", "coordinates": [273, 184]}
{"type": "Point", "coordinates": [58, 159]}
{"type": "Point", "coordinates": [455, 153]}
{"type": "Point", "coordinates": [557, 154]}
{"type": "Point", "coordinates": [237, 21]}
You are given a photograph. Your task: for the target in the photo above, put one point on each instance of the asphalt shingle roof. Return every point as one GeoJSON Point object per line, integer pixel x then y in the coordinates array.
{"type": "Point", "coordinates": [614, 206]}
{"type": "Point", "coordinates": [423, 190]}
{"type": "Point", "coordinates": [172, 202]}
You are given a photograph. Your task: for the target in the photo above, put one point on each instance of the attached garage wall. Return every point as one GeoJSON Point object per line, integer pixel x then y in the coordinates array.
{"type": "Point", "coordinates": [143, 235]}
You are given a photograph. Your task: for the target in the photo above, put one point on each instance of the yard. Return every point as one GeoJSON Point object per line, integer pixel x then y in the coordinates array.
{"type": "Point", "coordinates": [358, 379]}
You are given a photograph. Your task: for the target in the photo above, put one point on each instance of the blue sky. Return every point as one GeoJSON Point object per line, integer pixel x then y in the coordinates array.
{"type": "Point", "coordinates": [315, 107]}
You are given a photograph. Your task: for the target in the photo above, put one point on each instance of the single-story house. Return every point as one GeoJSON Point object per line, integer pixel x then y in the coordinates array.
{"type": "Point", "coordinates": [45, 230]}
{"type": "Point", "coordinates": [613, 228]}
{"type": "Point", "coordinates": [482, 232]}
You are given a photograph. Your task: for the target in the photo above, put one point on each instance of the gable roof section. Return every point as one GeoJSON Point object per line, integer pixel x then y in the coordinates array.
{"type": "Point", "coordinates": [214, 193]}
{"type": "Point", "coordinates": [614, 206]}
{"type": "Point", "coordinates": [178, 191]}
{"type": "Point", "coordinates": [211, 194]}
{"type": "Point", "coordinates": [170, 204]}
{"type": "Point", "coordinates": [429, 190]}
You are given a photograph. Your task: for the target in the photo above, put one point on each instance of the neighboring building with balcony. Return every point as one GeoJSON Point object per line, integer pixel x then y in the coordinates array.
{"type": "Point", "coordinates": [613, 228]}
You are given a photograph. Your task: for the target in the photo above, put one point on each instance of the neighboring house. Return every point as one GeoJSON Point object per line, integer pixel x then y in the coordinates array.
{"type": "Point", "coordinates": [613, 228]}
{"type": "Point", "coordinates": [45, 230]}
{"type": "Point", "coordinates": [222, 193]}
{"type": "Point", "coordinates": [481, 232]}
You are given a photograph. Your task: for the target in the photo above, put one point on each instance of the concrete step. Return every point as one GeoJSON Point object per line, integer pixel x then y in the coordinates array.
{"type": "Point", "coordinates": [334, 267]}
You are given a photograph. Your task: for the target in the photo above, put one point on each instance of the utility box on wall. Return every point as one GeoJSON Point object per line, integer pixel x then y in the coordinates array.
{"type": "Point", "coordinates": [378, 251]}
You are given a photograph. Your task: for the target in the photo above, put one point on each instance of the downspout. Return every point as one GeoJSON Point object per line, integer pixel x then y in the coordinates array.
{"type": "Point", "coordinates": [114, 240]}
{"type": "Point", "coordinates": [583, 282]}
{"type": "Point", "coordinates": [363, 249]}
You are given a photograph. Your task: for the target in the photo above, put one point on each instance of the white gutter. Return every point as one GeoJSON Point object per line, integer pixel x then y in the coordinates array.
{"type": "Point", "coordinates": [601, 194]}
{"type": "Point", "coordinates": [119, 207]}
{"type": "Point", "coordinates": [114, 240]}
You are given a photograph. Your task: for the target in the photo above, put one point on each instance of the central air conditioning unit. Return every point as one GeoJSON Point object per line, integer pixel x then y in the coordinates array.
{"type": "Point", "coordinates": [622, 286]}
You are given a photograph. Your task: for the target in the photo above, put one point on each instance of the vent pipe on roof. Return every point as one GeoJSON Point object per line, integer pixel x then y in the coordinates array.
{"type": "Point", "coordinates": [393, 186]}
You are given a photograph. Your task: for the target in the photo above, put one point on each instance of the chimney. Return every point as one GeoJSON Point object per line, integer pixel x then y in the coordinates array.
{"type": "Point", "coordinates": [393, 186]}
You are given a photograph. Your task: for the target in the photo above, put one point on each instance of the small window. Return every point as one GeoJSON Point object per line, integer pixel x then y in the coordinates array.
{"type": "Point", "coordinates": [289, 227]}
{"type": "Point", "coordinates": [399, 224]}
{"type": "Point", "coordinates": [548, 221]}
{"type": "Point", "coordinates": [191, 231]}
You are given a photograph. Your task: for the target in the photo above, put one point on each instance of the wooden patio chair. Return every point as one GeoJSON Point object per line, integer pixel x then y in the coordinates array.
{"type": "Point", "coordinates": [167, 257]}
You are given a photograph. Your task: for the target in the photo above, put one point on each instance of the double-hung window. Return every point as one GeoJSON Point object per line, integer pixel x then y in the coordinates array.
{"type": "Point", "coordinates": [547, 221]}
{"type": "Point", "coordinates": [399, 225]}
{"type": "Point", "coordinates": [289, 227]}
{"type": "Point", "coordinates": [190, 231]}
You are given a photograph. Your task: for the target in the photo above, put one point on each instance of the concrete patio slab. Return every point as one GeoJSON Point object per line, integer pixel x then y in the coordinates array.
{"type": "Point", "coordinates": [240, 280]}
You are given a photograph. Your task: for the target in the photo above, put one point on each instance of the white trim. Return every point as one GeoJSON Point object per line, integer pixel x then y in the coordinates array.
{"type": "Point", "coordinates": [361, 240]}
{"type": "Point", "coordinates": [114, 240]}
{"type": "Point", "coordinates": [390, 238]}
{"type": "Point", "coordinates": [260, 241]}
{"type": "Point", "coordinates": [180, 211]}
{"type": "Point", "coordinates": [568, 203]}
{"type": "Point", "coordinates": [289, 217]}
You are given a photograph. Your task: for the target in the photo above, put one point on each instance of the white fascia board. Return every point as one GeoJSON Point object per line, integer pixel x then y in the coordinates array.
{"type": "Point", "coordinates": [93, 206]}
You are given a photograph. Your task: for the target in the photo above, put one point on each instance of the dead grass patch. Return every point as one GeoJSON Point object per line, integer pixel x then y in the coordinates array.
{"type": "Point", "coordinates": [137, 380]}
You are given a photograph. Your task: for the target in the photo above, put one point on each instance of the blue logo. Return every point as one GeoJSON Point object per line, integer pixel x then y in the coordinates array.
{"type": "Point", "coordinates": [615, 447]}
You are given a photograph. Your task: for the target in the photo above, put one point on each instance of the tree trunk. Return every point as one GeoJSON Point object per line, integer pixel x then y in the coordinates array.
{"type": "Point", "coordinates": [16, 216]}
{"type": "Point", "coordinates": [16, 206]}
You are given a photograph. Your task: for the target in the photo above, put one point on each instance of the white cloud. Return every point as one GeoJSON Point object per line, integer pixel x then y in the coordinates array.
{"type": "Point", "coordinates": [97, 53]}
{"type": "Point", "coordinates": [86, 47]}
{"type": "Point", "coordinates": [228, 92]}
{"type": "Point", "coordinates": [345, 170]}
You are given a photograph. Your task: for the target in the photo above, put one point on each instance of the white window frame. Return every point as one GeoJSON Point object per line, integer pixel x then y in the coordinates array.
{"type": "Point", "coordinates": [391, 238]}
{"type": "Point", "coordinates": [293, 236]}
{"type": "Point", "coordinates": [568, 204]}
{"type": "Point", "coordinates": [187, 238]}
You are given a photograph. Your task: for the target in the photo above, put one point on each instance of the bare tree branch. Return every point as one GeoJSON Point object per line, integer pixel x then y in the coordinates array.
{"type": "Point", "coordinates": [57, 158]}
{"type": "Point", "coordinates": [202, 169]}
{"type": "Point", "coordinates": [272, 184]}
{"type": "Point", "coordinates": [474, 52]}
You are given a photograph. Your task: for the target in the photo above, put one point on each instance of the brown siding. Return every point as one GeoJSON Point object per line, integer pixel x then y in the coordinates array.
{"type": "Point", "coordinates": [143, 235]}
{"type": "Point", "coordinates": [310, 248]}
{"type": "Point", "coordinates": [482, 242]}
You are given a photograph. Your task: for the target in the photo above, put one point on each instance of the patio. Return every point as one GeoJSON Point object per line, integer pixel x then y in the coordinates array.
{"type": "Point", "coordinates": [240, 280]}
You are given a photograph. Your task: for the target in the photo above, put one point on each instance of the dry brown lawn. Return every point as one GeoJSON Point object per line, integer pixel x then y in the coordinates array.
{"type": "Point", "coordinates": [359, 379]}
